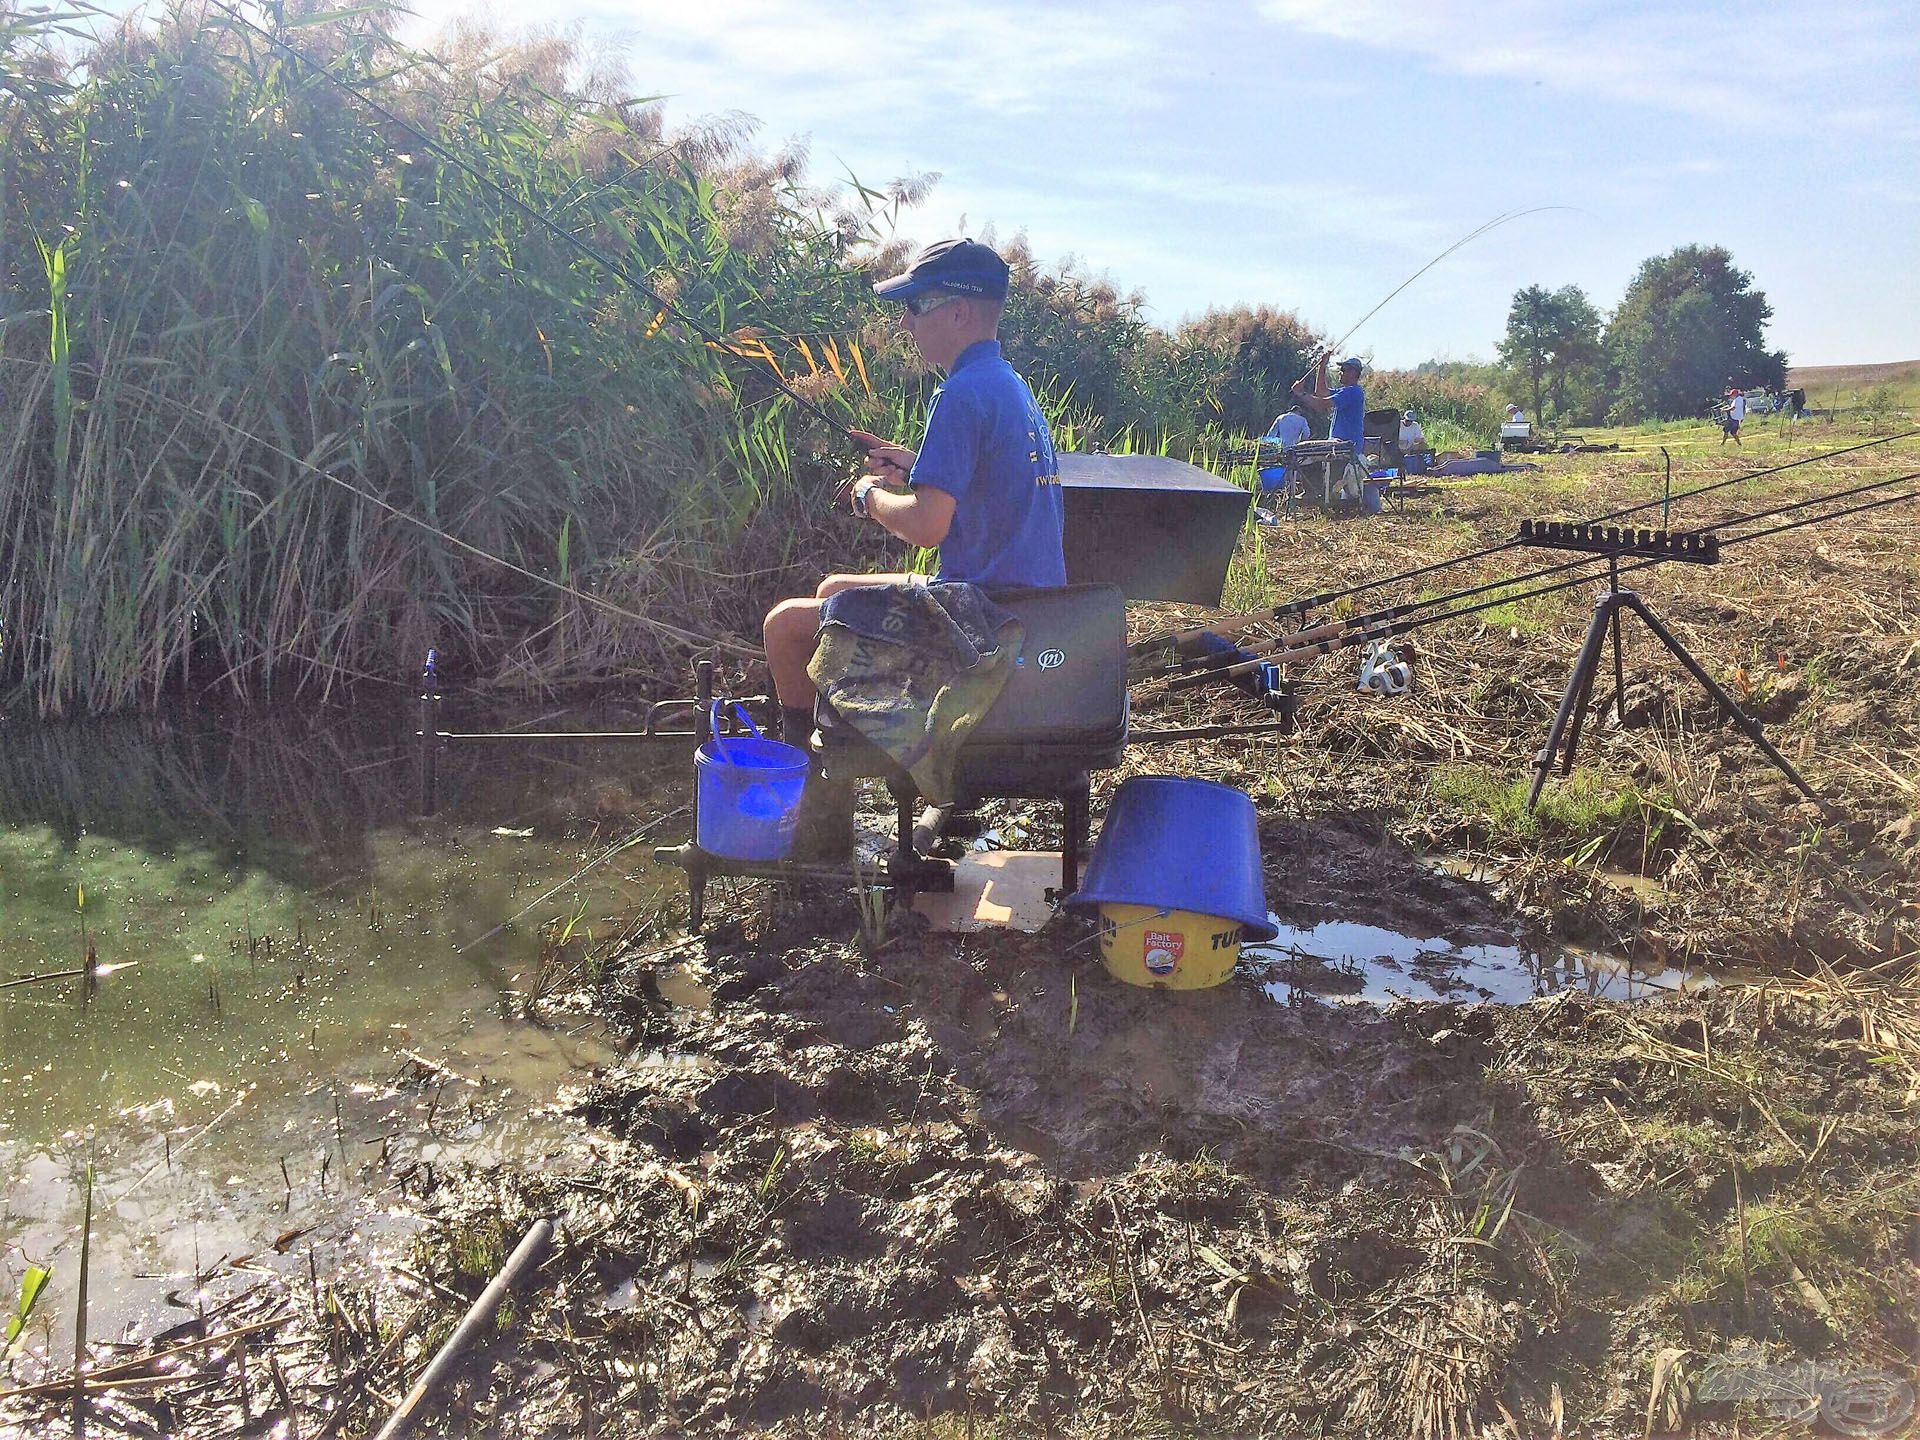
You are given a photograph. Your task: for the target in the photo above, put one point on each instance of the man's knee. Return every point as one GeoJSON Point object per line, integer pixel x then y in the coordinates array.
{"type": "Point", "coordinates": [792, 623]}
{"type": "Point", "coordinates": [834, 584]}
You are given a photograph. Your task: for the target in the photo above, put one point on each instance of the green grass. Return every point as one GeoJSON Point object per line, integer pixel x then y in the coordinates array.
{"type": "Point", "coordinates": [1584, 806]}
{"type": "Point", "coordinates": [1249, 586]}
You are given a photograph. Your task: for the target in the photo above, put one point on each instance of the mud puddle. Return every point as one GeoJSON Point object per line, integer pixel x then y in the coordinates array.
{"type": "Point", "coordinates": [1349, 961]}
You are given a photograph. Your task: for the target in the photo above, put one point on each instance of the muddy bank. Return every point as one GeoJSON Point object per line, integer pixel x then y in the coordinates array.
{"type": "Point", "coordinates": [970, 1185]}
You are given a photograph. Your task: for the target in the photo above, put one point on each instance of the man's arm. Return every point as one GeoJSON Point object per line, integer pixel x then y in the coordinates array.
{"type": "Point", "coordinates": [1316, 398]}
{"type": "Point", "coordinates": [920, 516]}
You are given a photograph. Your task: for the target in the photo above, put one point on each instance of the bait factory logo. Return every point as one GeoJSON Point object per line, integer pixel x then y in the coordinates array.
{"type": "Point", "coordinates": [1163, 951]}
{"type": "Point", "coordinates": [1050, 659]}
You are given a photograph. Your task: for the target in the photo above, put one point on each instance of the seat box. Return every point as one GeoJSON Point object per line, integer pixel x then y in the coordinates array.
{"type": "Point", "coordinates": [1064, 708]}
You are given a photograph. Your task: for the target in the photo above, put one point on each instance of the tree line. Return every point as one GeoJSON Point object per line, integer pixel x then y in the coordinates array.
{"type": "Point", "coordinates": [1689, 325]}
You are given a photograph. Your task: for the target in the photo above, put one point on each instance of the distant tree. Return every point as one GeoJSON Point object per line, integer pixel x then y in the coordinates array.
{"type": "Point", "coordinates": [1552, 343]}
{"type": "Point", "coordinates": [1690, 324]}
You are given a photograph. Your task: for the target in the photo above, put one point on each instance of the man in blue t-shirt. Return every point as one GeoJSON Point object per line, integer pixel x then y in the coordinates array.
{"type": "Point", "coordinates": [1348, 402]}
{"type": "Point", "coordinates": [984, 486]}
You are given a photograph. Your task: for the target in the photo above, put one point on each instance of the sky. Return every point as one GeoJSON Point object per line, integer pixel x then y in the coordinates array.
{"type": "Point", "coordinates": [1312, 154]}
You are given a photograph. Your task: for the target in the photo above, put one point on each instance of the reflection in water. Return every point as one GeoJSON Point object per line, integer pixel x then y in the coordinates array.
{"type": "Point", "coordinates": [294, 929]}
{"type": "Point", "coordinates": [1345, 961]}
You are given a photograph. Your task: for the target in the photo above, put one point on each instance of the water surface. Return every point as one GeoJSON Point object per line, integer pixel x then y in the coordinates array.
{"type": "Point", "coordinates": [302, 988]}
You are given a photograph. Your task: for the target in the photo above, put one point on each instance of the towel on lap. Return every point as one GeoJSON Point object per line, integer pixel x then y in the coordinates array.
{"type": "Point", "coordinates": [913, 668]}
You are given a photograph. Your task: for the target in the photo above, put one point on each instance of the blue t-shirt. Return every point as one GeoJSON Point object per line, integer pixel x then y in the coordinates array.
{"type": "Point", "coordinates": [1349, 415]}
{"type": "Point", "coordinates": [988, 446]}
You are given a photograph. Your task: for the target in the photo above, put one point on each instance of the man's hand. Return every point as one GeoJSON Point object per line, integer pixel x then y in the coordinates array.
{"type": "Point", "coordinates": [885, 480]}
{"type": "Point", "coordinates": [885, 456]}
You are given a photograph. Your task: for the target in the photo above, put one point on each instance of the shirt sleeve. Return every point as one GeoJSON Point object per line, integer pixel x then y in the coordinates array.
{"type": "Point", "coordinates": [951, 447]}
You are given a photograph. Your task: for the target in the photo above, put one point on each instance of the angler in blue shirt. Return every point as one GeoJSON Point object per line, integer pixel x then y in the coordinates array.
{"type": "Point", "coordinates": [984, 486]}
{"type": "Point", "coordinates": [1348, 402]}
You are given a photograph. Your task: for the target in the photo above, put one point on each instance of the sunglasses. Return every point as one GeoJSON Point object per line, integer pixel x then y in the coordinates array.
{"type": "Point", "coordinates": [927, 304]}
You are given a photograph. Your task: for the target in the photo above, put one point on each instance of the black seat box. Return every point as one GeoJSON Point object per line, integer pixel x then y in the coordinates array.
{"type": "Point", "coordinates": [1064, 707]}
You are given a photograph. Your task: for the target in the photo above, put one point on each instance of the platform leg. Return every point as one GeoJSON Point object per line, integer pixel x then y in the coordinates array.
{"type": "Point", "coordinates": [429, 755]}
{"type": "Point", "coordinates": [1076, 823]}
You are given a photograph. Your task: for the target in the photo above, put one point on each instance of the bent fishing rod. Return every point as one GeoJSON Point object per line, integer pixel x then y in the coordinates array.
{"type": "Point", "coordinates": [1504, 218]}
{"type": "Point", "coordinates": [1155, 652]}
{"type": "Point", "coordinates": [1303, 645]}
{"type": "Point", "coordinates": [615, 267]}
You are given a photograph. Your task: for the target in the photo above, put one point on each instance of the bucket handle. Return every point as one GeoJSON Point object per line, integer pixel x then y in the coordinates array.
{"type": "Point", "coordinates": [713, 726]}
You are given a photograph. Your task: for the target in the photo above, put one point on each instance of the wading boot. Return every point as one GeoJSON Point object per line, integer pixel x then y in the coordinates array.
{"type": "Point", "coordinates": [823, 822]}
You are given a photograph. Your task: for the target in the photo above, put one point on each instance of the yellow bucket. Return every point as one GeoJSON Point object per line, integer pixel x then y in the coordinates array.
{"type": "Point", "coordinates": [1167, 949]}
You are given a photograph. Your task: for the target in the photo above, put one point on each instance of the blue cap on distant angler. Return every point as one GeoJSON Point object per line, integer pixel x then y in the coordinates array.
{"type": "Point", "coordinates": [965, 267]}
{"type": "Point", "coordinates": [1352, 362]}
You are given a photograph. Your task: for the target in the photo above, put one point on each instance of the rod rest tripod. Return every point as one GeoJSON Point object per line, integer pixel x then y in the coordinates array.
{"type": "Point", "coordinates": [1563, 736]}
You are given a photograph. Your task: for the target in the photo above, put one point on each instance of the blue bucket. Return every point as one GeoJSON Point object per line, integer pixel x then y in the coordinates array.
{"type": "Point", "coordinates": [748, 792]}
{"type": "Point", "coordinates": [1180, 845]}
{"type": "Point", "coordinates": [1272, 477]}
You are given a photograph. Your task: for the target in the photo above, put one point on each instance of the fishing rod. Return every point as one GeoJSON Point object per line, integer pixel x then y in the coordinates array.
{"type": "Point", "coordinates": [612, 265]}
{"type": "Point", "coordinates": [1305, 645]}
{"type": "Point", "coordinates": [1148, 654]}
{"type": "Point", "coordinates": [1211, 662]}
{"type": "Point", "coordinates": [1368, 625]}
{"type": "Point", "coordinates": [1505, 218]}
{"type": "Point", "coordinates": [1326, 351]}
{"type": "Point", "coordinates": [1755, 475]}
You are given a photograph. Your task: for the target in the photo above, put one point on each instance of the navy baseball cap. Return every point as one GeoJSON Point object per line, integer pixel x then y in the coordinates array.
{"type": "Point", "coordinates": [1352, 361]}
{"type": "Point", "coordinates": [966, 267]}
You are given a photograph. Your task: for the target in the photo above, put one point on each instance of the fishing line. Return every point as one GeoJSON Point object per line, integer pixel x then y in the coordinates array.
{"type": "Point", "coordinates": [616, 848]}
{"type": "Point", "coordinates": [685, 637]}
{"type": "Point", "coordinates": [618, 269]}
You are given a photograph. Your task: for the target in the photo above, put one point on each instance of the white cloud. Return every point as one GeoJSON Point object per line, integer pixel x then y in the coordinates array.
{"type": "Point", "coordinates": [866, 65]}
{"type": "Point", "coordinates": [1750, 65]}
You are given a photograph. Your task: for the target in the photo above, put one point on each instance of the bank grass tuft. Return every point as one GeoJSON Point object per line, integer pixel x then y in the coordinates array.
{"type": "Point", "coordinates": [1584, 806]}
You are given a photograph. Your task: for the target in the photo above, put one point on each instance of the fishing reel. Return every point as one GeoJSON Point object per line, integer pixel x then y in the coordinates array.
{"type": "Point", "coordinates": [1385, 670]}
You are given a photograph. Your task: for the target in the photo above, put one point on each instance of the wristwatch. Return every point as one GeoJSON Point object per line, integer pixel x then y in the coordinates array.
{"type": "Point", "coordinates": [861, 489]}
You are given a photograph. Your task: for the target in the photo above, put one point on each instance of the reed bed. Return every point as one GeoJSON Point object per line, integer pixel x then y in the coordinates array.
{"type": "Point", "coordinates": [222, 288]}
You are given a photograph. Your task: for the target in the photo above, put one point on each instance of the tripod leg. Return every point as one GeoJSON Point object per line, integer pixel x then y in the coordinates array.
{"type": "Point", "coordinates": [1743, 722]}
{"type": "Point", "coordinates": [1577, 683]}
{"type": "Point", "coordinates": [1572, 746]}
{"type": "Point", "coordinates": [1619, 674]}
